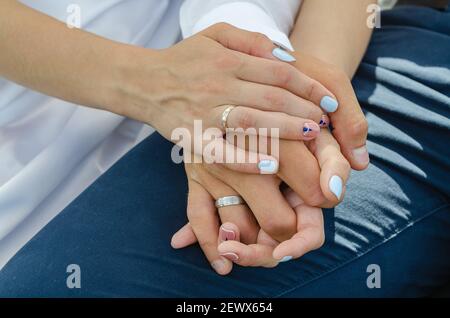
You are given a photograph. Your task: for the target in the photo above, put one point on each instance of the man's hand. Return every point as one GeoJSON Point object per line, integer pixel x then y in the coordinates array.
{"type": "Point", "coordinates": [267, 208]}
{"type": "Point", "coordinates": [348, 121]}
{"type": "Point", "coordinates": [224, 245]}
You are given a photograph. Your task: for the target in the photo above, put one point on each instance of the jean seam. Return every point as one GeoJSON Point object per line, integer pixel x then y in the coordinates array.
{"type": "Point", "coordinates": [334, 268]}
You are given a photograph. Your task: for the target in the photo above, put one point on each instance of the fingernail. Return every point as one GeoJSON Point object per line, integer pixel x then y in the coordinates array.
{"type": "Point", "coordinates": [218, 265]}
{"type": "Point", "coordinates": [230, 256]}
{"type": "Point", "coordinates": [226, 234]}
{"type": "Point", "coordinates": [324, 121]}
{"type": "Point", "coordinates": [310, 130]}
{"type": "Point", "coordinates": [329, 104]}
{"type": "Point", "coordinates": [336, 186]}
{"type": "Point", "coordinates": [267, 166]}
{"type": "Point", "coordinates": [282, 55]}
{"type": "Point", "coordinates": [285, 259]}
{"type": "Point", "coordinates": [361, 155]}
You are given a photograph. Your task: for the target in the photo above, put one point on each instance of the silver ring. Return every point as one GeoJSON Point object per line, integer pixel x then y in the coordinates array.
{"type": "Point", "coordinates": [229, 201]}
{"type": "Point", "coordinates": [225, 114]}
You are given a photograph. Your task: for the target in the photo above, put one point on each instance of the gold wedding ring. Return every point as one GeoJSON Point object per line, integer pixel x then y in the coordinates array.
{"type": "Point", "coordinates": [225, 114]}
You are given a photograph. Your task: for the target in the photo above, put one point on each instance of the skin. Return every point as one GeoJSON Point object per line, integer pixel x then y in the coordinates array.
{"type": "Point", "coordinates": [337, 36]}
{"type": "Point", "coordinates": [256, 223]}
{"type": "Point", "coordinates": [158, 87]}
{"type": "Point", "coordinates": [335, 74]}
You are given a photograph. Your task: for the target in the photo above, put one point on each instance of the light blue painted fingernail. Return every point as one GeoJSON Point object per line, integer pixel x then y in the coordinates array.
{"type": "Point", "coordinates": [329, 104]}
{"type": "Point", "coordinates": [336, 186]}
{"type": "Point", "coordinates": [282, 55]}
{"type": "Point", "coordinates": [268, 166]}
{"type": "Point", "coordinates": [286, 259]}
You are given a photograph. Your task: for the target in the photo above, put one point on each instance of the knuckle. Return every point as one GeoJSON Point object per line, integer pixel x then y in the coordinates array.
{"type": "Point", "coordinates": [280, 227]}
{"type": "Point", "coordinates": [245, 119]}
{"type": "Point", "coordinates": [248, 257]}
{"type": "Point", "coordinates": [260, 39]}
{"type": "Point", "coordinates": [312, 89]}
{"type": "Point", "coordinates": [208, 87]}
{"type": "Point", "coordinates": [283, 74]}
{"type": "Point", "coordinates": [340, 163]}
{"type": "Point", "coordinates": [259, 44]}
{"type": "Point", "coordinates": [276, 100]}
{"type": "Point", "coordinates": [315, 198]}
{"type": "Point", "coordinates": [192, 173]}
{"type": "Point", "coordinates": [228, 60]}
{"type": "Point", "coordinates": [344, 164]}
{"type": "Point", "coordinates": [359, 128]}
{"type": "Point", "coordinates": [220, 26]}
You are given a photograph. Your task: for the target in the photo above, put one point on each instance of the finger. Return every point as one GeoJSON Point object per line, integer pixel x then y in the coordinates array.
{"type": "Point", "coordinates": [248, 255]}
{"type": "Point", "coordinates": [251, 43]}
{"type": "Point", "coordinates": [245, 227]}
{"type": "Point", "coordinates": [263, 197]}
{"type": "Point", "coordinates": [273, 213]}
{"type": "Point", "coordinates": [335, 169]}
{"type": "Point", "coordinates": [237, 159]}
{"type": "Point", "coordinates": [324, 121]}
{"type": "Point", "coordinates": [349, 123]}
{"type": "Point", "coordinates": [288, 77]}
{"type": "Point", "coordinates": [205, 225]}
{"type": "Point", "coordinates": [251, 121]}
{"type": "Point", "coordinates": [232, 217]}
{"type": "Point", "coordinates": [183, 237]}
{"type": "Point", "coordinates": [292, 198]}
{"type": "Point", "coordinates": [352, 136]}
{"type": "Point", "coordinates": [310, 235]}
{"type": "Point", "coordinates": [266, 239]}
{"type": "Point", "coordinates": [300, 170]}
{"type": "Point", "coordinates": [229, 232]}
{"type": "Point", "coordinates": [271, 98]}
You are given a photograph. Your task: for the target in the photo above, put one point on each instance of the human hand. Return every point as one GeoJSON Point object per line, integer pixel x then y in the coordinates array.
{"type": "Point", "coordinates": [200, 77]}
{"type": "Point", "coordinates": [349, 124]}
{"type": "Point", "coordinates": [348, 121]}
{"type": "Point", "coordinates": [266, 206]}
{"type": "Point", "coordinates": [226, 245]}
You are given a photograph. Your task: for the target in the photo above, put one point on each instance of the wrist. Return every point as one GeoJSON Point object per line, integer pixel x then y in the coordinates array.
{"type": "Point", "coordinates": [319, 67]}
{"type": "Point", "coordinates": [132, 82]}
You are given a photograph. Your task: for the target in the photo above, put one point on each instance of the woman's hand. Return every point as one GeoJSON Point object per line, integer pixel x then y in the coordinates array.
{"type": "Point", "coordinates": [169, 88]}
{"type": "Point", "coordinates": [349, 123]}
{"type": "Point", "coordinates": [319, 181]}
{"type": "Point", "coordinates": [200, 77]}
{"type": "Point", "coordinates": [267, 252]}
{"type": "Point", "coordinates": [266, 207]}
{"type": "Point", "coordinates": [226, 244]}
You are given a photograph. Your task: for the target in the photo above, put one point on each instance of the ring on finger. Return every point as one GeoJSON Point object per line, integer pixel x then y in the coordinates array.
{"type": "Point", "coordinates": [225, 115]}
{"type": "Point", "coordinates": [229, 201]}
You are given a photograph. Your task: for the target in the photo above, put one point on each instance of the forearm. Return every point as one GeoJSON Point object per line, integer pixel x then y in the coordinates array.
{"type": "Point", "coordinates": [334, 31]}
{"type": "Point", "coordinates": [43, 54]}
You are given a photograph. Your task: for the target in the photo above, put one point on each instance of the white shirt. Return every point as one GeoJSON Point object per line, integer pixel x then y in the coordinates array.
{"type": "Point", "coordinates": [51, 150]}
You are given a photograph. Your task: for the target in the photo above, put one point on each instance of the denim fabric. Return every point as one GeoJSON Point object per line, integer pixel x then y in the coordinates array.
{"type": "Point", "coordinates": [396, 214]}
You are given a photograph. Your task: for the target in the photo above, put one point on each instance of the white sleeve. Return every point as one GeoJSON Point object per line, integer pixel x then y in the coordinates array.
{"type": "Point", "coordinates": [273, 18]}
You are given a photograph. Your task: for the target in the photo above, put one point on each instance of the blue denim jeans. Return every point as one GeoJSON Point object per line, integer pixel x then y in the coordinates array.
{"type": "Point", "coordinates": [396, 214]}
